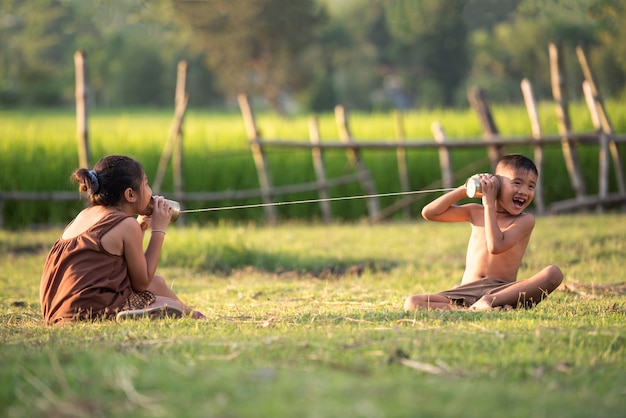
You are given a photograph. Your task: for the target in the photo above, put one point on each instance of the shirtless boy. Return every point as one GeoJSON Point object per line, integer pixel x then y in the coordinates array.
{"type": "Point", "coordinates": [500, 234]}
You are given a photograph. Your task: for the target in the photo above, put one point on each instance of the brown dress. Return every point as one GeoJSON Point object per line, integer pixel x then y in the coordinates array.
{"type": "Point", "coordinates": [81, 280]}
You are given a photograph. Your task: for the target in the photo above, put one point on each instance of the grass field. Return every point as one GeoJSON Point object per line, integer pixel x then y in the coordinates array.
{"type": "Point", "coordinates": [305, 320]}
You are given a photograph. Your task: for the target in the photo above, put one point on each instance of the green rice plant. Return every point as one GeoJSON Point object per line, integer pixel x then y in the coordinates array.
{"type": "Point", "coordinates": [39, 152]}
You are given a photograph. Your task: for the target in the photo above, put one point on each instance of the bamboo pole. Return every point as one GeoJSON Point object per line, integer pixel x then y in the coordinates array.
{"type": "Point", "coordinates": [478, 101]}
{"type": "Point", "coordinates": [354, 156]}
{"type": "Point", "coordinates": [445, 160]}
{"type": "Point", "coordinates": [603, 159]}
{"type": "Point", "coordinates": [82, 93]}
{"type": "Point", "coordinates": [403, 171]}
{"type": "Point", "coordinates": [513, 141]}
{"type": "Point", "coordinates": [181, 98]}
{"type": "Point", "coordinates": [320, 171]}
{"type": "Point", "coordinates": [174, 144]}
{"type": "Point", "coordinates": [559, 93]}
{"type": "Point", "coordinates": [535, 126]}
{"type": "Point", "coordinates": [593, 90]}
{"type": "Point", "coordinates": [603, 116]}
{"type": "Point", "coordinates": [262, 167]}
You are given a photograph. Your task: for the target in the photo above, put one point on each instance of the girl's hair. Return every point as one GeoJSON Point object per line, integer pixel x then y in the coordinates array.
{"type": "Point", "coordinates": [518, 161]}
{"type": "Point", "coordinates": [105, 184]}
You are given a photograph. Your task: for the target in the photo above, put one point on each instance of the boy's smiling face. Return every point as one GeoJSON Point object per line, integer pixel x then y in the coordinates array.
{"type": "Point", "coordinates": [517, 189]}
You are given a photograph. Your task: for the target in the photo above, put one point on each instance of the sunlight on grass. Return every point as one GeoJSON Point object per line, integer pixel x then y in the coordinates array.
{"type": "Point", "coordinates": [313, 313]}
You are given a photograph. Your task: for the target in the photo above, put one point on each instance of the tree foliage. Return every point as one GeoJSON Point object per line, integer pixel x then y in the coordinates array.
{"type": "Point", "coordinates": [517, 48]}
{"type": "Point", "coordinates": [366, 54]}
{"type": "Point", "coordinates": [430, 47]}
{"type": "Point", "coordinates": [257, 47]}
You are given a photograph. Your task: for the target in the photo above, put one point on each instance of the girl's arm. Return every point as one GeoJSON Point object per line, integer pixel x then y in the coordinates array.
{"type": "Point", "coordinates": [142, 266]}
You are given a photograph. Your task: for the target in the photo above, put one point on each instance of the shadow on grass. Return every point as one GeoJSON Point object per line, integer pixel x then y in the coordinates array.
{"type": "Point", "coordinates": [224, 260]}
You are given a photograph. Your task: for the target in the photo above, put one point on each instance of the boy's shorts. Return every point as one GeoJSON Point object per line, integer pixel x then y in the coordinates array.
{"type": "Point", "coordinates": [468, 294]}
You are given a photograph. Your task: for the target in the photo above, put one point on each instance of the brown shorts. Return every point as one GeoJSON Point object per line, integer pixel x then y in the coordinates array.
{"type": "Point", "coordinates": [139, 300]}
{"type": "Point", "coordinates": [468, 294]}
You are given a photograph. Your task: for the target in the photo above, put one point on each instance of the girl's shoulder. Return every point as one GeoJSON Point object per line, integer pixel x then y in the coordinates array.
{"type": "Point", "coordinates": [84, 221]}
{"type": "Point", "coordinates": [96, 218]}
{"type": "Point", "coordinates": [114, 238]}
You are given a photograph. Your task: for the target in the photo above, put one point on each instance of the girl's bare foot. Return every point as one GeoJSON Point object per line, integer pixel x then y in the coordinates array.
{"type": "Point", "coordinates": [481, 305]}
{"type": "Point", "coordinates": [197, 315]}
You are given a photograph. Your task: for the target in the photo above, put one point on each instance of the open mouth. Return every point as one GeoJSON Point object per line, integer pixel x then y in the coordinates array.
{"type": "Point", "coordinates": [519, 203]}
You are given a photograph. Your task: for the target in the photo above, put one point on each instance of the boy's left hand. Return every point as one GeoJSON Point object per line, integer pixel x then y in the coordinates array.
{"type": "Point", "coordinates": [490, 185]}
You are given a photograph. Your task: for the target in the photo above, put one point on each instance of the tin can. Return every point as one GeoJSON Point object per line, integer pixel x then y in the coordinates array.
{"type": "Point", "coordinates": [473, 188]}
{"type": "Point", "coordinates": [173, 204]}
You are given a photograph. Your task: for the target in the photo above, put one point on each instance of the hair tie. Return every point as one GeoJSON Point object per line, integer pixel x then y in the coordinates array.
{"type": "Point", "coordinates": [95, 184]}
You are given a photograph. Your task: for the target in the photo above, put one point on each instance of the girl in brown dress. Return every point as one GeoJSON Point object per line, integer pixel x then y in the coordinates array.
{"type": "Point", "coordinates": [98, 268]}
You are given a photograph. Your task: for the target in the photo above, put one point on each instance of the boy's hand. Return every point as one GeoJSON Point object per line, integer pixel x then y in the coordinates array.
{"type": "Point", "coordinates": [490, 185]}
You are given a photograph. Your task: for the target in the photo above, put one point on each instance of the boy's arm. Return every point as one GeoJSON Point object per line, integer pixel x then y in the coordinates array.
{"type": "Point", "coordinates": [443, 209]}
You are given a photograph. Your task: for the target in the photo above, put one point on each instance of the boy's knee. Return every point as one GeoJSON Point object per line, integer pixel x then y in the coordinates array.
{"type": "Point", "coordinates": [555, 275]}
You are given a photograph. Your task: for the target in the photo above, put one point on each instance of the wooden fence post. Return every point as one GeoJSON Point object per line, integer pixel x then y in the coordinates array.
{"type": "Point", "coordinates": [559, 93]}
{"type": "Point", "coordinates": [478, 101]}
{"type": "Point", "coordinates": [177, 157]}
{"type": "Point", "coordinates": [603, 153]}
{"type": "Point", "coordinates": [403, 171]}
{"type": "Point", "coordinates": [535, 126]}
{"type": "Point", "coordinates": [354, 155]}
{"type": "Point", "coordinates": [320, 171]}
{"type": "Point", "coordinates": [174, 144]}
{"type": "Point", "coordinates": [605, 123]}
{"type": "Point", "coordinates": [262, 167]}
{"type": "Point", "coordinates": [445, 160]}
{"type": "Point", "coordinates": [82, 93]}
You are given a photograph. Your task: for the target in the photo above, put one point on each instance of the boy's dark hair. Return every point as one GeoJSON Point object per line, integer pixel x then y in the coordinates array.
{"type": "Point", "coordinates": [105, 184]}
{"type": "Point", "coordinates": [518, 161]}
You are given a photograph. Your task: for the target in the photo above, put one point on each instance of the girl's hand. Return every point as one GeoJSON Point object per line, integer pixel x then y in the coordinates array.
{"type": "Point", "coordinates": [144, 222]}
{"type": "Point", "coordinates": [161, 213]}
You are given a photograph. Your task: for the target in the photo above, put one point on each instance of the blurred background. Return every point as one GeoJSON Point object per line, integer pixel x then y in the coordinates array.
{"type": "Point", "coordinates": [304, 55]}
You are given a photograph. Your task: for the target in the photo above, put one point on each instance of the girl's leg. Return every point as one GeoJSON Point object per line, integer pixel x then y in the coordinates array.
{"type": "Point", "coordinates": [523, 293]}
{"type": "Point", "coordinates": [165, 296]}
{"type": "Point", "coordinates": [160, 288]}
{"type": "Point", "coordinates": [427, 301]}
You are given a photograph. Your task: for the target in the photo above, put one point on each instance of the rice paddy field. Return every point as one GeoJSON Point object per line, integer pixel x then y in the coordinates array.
{"type": "Point", "coordinates": [39, 151]}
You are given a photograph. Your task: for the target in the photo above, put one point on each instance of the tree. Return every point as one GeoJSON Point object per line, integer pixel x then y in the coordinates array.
{"type": "Point", "coordinates": [32, 52]}
{"type": "Point", "coordinates": [258, 47]}
{"type": "Point", "coordinates": [518, 48]}
{"type": "Point", "coordinates": [429, 47]}
{"type": "Point", "coordinates": [610, 59]}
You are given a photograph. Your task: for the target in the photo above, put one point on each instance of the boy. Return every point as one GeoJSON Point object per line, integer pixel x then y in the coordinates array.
{"type": "Point", "coordinates": [500, 234]}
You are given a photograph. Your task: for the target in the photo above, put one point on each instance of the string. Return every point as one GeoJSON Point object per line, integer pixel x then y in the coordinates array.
{"type": "Point", "coordinates": [328, 199]}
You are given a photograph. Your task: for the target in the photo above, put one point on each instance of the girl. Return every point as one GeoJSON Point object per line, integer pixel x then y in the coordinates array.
{"type": "Point", "coordinates": [98, 269]}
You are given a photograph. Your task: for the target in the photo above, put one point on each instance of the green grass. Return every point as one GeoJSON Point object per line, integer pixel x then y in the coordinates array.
{"type": "Point", "coordinates": [306, 320]}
